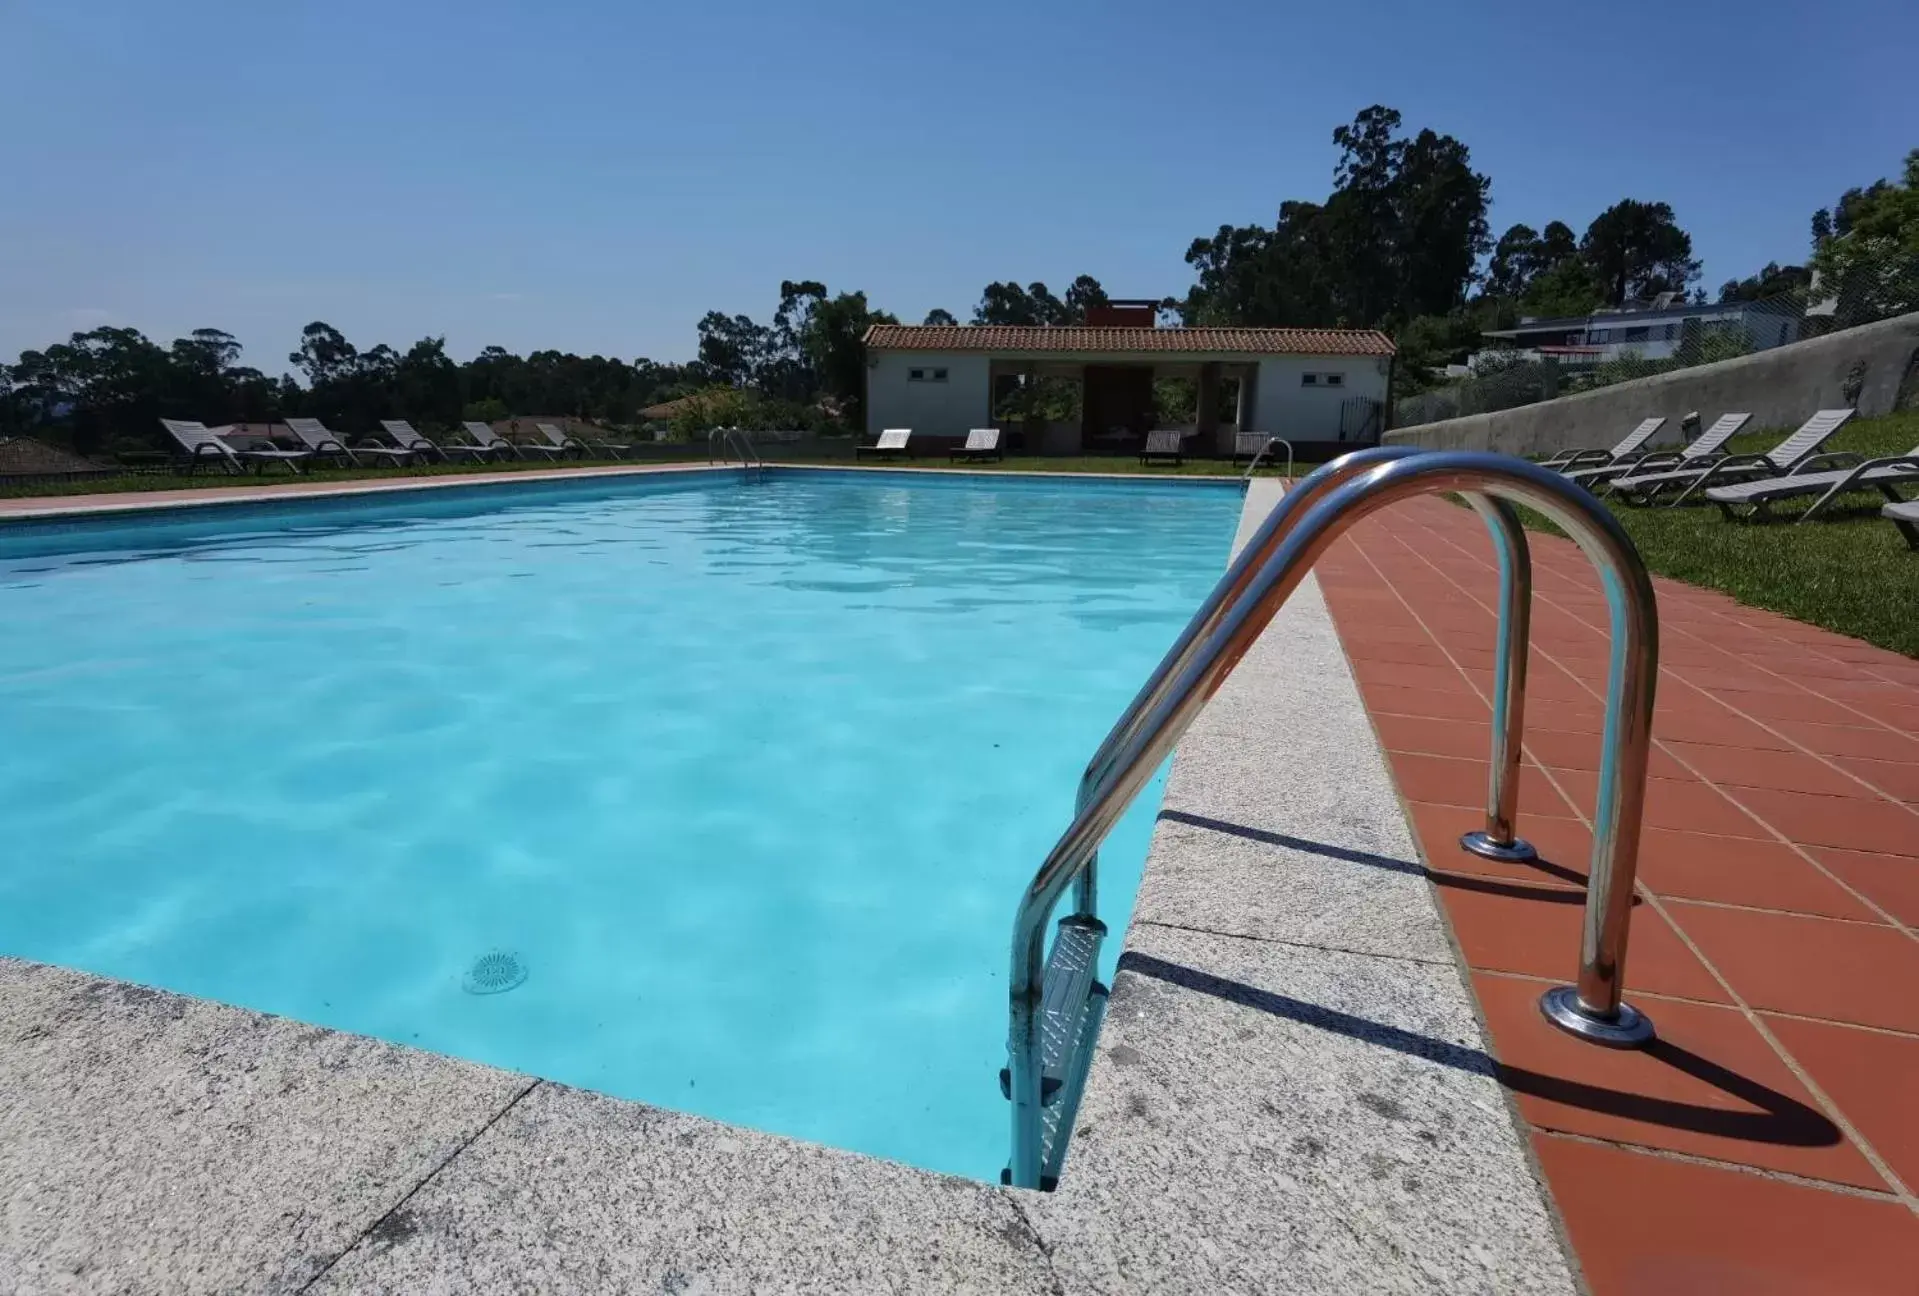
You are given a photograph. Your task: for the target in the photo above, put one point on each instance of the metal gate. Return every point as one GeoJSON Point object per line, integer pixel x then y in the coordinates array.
{"type": "Point", "coordinates": [1359, 419]}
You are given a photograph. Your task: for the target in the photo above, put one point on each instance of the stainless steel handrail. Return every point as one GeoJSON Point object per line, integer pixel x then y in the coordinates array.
{"type": "Point", "coordinates": [1593, 1008]}
{"type": "Point", "coordinates": [1261, 454]}
{"type": "Point", "coordinates": [1277, 526]}
{"type": "Point", "coordinates": [749, 453]}
{"type": "Point", "coordinates": [731, 440]}
{"type": "Point", "coordinates": [1497, 840]}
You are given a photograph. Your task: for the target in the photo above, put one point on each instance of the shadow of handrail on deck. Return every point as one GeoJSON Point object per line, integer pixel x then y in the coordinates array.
{"type": "Point", "coordinates": [1513, 890]}
{"type": "Point", "coordinates": [1307, 845]}
{"type": "Point", "coordinates": [1781, 1119]}
{"type": "Point", "coordinates": [1440, 877]}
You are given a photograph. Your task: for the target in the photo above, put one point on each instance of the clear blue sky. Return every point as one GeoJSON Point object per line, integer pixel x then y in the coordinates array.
{"type": "Point", "coordinates": [593, 175]}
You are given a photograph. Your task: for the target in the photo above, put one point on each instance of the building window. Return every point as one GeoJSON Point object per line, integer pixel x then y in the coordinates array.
{"type": "Point", "coordinates": [926, 375]}
{"type": "Point", "coordinates": [1636, 334]}
{"type": "Point", "coordinates": [1599, 335]}
{"type": "Point", "coordinates": [939, 375]}
{"type": "Point", "coordinates": [916, 375]}
{"type": "Point", "coordinates": [1672, 331]}
{"type": "Point", "coordinates": [1309, 380]}
{"type": "Point", "coordinates": [1335, 380]}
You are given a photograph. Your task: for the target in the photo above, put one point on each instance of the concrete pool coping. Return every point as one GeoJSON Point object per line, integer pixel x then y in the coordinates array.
{"type": "Point", "coordinates": [1292, 1092]}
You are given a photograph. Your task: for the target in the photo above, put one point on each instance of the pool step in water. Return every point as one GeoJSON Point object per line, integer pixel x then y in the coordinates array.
{"type": "Point", "coordinates": [1072, 1005]}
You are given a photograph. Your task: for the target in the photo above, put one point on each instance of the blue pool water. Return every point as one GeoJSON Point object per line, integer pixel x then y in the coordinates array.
{"type": "Point", "coordinates": [748, 775]}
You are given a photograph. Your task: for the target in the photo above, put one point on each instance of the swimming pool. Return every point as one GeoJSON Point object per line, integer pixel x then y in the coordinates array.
{"type": "Point", "coordinates": [745, 775]}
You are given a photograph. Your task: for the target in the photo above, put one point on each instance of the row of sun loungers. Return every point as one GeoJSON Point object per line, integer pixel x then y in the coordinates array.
{"type": "Point", "coordinates": [981, 444]}
{"type": "Point", "coordinates": [984, 444]}
{"type": "Point", "coordinates": [201, 445]}
{"type": "Point", "coordinates": [1744, 486]}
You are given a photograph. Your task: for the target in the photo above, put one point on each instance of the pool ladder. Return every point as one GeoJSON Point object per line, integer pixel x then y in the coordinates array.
{"type": "Point", "coordinates": [1261, 454]}
{"type": "Point", "coordinates": [1056, 1004]}
{"type": "Point", "coordinates": [722, 443]}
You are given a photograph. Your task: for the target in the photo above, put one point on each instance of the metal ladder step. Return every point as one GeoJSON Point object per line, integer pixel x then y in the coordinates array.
{"type": "Point", "coordinates": [1072, 1004]}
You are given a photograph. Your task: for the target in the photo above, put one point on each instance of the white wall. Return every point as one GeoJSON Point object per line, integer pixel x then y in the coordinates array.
{"type": "Point", "coordinates": [950, 408]}
{"type": "Point", "coordinates": [1285, 407]}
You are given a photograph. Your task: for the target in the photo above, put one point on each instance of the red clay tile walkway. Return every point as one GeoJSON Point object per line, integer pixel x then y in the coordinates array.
{"type": "Point", "coordinates": [1769, 1140]}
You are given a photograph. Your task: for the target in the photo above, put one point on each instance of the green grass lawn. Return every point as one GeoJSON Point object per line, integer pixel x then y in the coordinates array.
{"type": "Point", "coordinates": [1847, 570]}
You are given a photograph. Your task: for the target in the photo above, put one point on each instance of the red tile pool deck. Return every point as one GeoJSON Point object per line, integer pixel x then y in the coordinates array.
{"type": "Point", "coordinates": [1768, 1141]}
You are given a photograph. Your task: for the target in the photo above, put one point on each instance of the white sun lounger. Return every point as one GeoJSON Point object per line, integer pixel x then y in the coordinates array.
{"type": "Point", "coordinates": [1163, 444]}
{"type": "Point", "coordinates": [981, 443]}
{"type": "Point", "coordinates": [202, 445]}
{"type": "Point", "coordinates": [1629, 444]}
{"type": "Point", "coordinates": [1906, 517]}
{"type": "Point", "coordinates": [554, 437]}
{"type": "Point", "coordinates": [315, 436]}
{"type": "Point", "coordinates": [1250, 445]}
{"type": "Point", "coordinates": [402, 434]}
{"type": "Point", "coordinates": [1703, 449]}
{"type": "Point", "coordinates": [484, 436]}
{"type": "Point", "coordinates": [893, 441]}
{"type": "Point", "coordinates": [1782, 458]}
{"type": "Point", "coordinates": [1820, 475]}
{"type": "Point", "coordinates": [560, 439]}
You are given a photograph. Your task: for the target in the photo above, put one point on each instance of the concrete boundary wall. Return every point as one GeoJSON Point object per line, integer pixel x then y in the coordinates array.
{"type": "Point", "coordinates": [1874, 367]}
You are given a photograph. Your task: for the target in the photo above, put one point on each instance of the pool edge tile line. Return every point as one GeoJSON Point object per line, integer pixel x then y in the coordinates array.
{"type": "Point", "coordinates": [1293, 1104]}
{"type": "Point", "coordinates": [27, 508]}
{"type": "Point", "coordinates": [20, 509]}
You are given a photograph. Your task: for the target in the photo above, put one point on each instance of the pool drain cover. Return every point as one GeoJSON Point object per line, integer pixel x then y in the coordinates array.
{"type": "Point", "coordinates": [494, 972]}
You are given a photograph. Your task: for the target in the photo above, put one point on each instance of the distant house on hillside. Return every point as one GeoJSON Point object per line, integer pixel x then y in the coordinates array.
{"type": "Point", "coordinates": [666, 411]}
{"type": "Point", "coordinates": [1307, 385]}
{"type": "Point", "coordinates": [1651, 331]}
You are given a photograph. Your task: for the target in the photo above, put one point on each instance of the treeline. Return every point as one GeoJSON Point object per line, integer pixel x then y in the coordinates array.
{"type": "Point", "coordinates": [1401, 243]}
{"type": "Point", "coordinates": [107, 388]}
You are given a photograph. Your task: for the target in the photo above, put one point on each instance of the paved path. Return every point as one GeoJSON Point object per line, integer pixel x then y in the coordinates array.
{"type": "Point", "coordinates": [1770, 1141]}
{"type": "Point", "coordinates": [254, 492]}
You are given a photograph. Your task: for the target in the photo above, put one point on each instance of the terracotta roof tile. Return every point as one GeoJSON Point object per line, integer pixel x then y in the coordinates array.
{"type": "Point", "coordinates": [1058, 339]}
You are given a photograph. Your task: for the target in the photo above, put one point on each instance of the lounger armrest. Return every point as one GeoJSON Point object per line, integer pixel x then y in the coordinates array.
{"type": "Point", "coordinates": [1826, 462]}
{"type": "Point", "coordinates": [1575, 458]}
{"type": "Point", "coordinates": [1655, 460]}
{"type": "Point", "coordinates": [1859, 471]}
{"type": "Point", "coordinates": [1719, 467]}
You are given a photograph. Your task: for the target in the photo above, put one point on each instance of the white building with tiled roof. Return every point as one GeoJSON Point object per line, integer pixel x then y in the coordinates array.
{"type": "Point", "coordinates": [1307, 385]}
